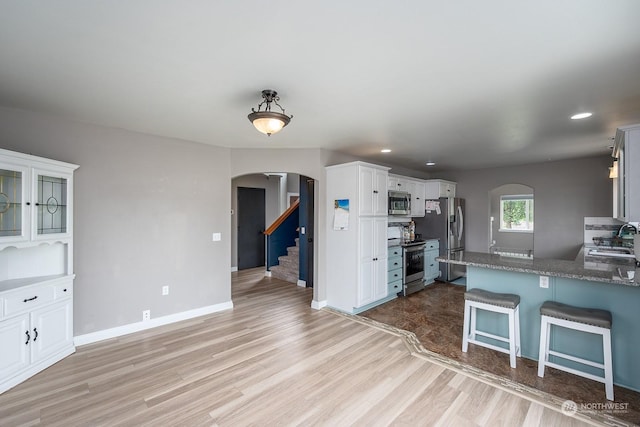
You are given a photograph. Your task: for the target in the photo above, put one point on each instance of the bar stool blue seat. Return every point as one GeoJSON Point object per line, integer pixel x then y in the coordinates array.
{"type": "Point", "coordinates": [508, 304]}
{"type": "Point", "coordinates": [590, 320]}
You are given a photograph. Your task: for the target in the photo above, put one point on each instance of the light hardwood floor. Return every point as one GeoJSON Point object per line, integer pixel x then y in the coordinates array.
{"type": "Point", "coordinates": [272, 360]}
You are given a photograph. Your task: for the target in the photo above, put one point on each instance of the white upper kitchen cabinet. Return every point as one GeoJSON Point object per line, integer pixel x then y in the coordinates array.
{"type": "Point", "coordinates": [627, 152]}
{"type": "Point", "coordinates": [399, 183]}
{"type": "Point", "coordinates": [436, 188]}
{"type": "Point", "coordinates": [372, 190]}
{"type": "Point", "coordinates": [417, 191]}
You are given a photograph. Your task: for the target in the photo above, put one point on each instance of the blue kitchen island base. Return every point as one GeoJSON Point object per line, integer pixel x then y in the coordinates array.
{"type": "Point", "coordinates": [622, 301]}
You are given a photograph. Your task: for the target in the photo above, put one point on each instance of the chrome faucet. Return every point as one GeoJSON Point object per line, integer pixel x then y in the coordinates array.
{"type": "Point", "coordinates": [625, 226]}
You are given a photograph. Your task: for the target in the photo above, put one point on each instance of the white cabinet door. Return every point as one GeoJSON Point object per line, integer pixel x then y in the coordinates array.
{"type": "Point", "coordinates": [15, 338]}
{"type": "Point", "coordinates": [372, 192]}
{"type": "Point", "coordinates": [51, 210]}
{"type": "Point", "coordinates": [436, 188]}
{"type": "Point", "coordinates": [417, 198]}
{"type": "Point", "coordinates": [15, 205]}
{"type": "Point", "coordinates": [448, 189]}
{"type": "Point", "coordinates": [366, 190]}
{"type": "Point", "coordinates": [372, 282]}
{"type": "Point", "coordinates": [380, 288]}
{"type": "Point", "coordinates": [52, 330]}
{"type": "Point", "coordinates": [380, 207]}
{"type": "Point", "coordinates": [392, 183]}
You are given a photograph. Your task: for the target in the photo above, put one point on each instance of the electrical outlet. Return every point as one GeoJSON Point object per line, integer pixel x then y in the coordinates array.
{"type": "Point", "coordinates": [165, 290]}
{"type": "Point", "coordinates": [146, 315]}
{"type": "Point", "coordinates": [544, 282]}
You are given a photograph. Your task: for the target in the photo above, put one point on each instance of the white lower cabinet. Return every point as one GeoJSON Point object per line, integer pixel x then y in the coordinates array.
{"type": "Point", "coordinates": [52, 329]}
{"type": "Point", "coordinates": [14, 341]}
{"type": "Point", "coordinates": [372, 283]}
{"type": "Point", "coordinates": [36, 330]}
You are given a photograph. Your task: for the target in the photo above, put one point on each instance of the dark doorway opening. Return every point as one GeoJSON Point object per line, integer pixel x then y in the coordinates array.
{"type": "Point", "coordinates": [251, 226]}
{"type": "Point", "coordinates": [307, 186]}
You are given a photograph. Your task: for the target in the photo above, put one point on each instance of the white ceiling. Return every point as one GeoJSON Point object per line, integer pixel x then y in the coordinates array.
{"type": "Point", "coordinates": [465, 83]}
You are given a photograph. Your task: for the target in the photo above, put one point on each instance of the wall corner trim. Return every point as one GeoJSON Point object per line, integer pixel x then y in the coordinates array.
{"type": "Point", "coordinates": [317, 305]}
{"type": "Point", "coordinates": [119, 331]}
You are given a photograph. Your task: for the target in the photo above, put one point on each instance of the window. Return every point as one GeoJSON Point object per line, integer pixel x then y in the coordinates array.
{"type": "Point", "coordinates": [516, 213]}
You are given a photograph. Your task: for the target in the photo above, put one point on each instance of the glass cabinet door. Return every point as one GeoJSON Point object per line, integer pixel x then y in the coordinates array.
{"type": "Point", "coordinates": [51, 200]}
{"type": "Point", "coordinates": [13, 212]}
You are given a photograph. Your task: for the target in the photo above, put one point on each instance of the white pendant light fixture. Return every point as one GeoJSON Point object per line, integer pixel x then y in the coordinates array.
{"type": "Point", "coordinates": [267, 121]}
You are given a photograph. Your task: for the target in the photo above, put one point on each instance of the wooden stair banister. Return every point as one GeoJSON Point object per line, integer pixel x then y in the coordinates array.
{"type": "Point", "coordinates": [281, 218]}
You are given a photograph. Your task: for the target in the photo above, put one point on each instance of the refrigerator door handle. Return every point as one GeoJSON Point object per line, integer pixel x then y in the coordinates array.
{"type": "Point", "coordinates": [461, 221]}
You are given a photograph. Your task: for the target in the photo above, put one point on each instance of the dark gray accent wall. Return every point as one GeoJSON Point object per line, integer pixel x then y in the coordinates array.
{"type": "Point", "coordinates": [565, 192]}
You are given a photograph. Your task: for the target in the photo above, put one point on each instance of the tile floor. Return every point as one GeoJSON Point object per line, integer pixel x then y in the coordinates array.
{"type": "Point", "coordinates": [435, 315]}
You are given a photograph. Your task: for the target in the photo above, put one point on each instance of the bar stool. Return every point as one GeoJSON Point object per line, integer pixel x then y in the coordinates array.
{"type": "Point", "coordinates": [590, 320]}
{"type": "Point", "coordinates": [508, 304]}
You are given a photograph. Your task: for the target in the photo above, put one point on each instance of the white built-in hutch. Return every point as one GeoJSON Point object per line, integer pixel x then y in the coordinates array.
{"type": "Point", "coordinates": [36, 265]}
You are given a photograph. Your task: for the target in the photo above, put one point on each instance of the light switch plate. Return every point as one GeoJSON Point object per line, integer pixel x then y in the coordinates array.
{"type": "Point", "coordinates": [217, 237]}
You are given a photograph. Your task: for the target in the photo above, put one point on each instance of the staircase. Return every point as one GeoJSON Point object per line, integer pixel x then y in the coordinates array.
{"type": "Point", "coordinates": [288, 265]}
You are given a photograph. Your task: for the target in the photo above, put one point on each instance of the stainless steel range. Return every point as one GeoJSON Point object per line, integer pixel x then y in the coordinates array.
{"type": "Point", "coordinates": [413, 268]}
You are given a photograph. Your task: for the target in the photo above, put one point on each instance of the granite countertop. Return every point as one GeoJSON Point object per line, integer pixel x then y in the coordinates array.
{"type": "Point", "coordinates": [605, 272]}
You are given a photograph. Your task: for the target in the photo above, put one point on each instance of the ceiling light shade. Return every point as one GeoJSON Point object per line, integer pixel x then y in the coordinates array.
{"type": "Point", "coordinates": [267, 121]}
{"type": "Point", "coordinates": [581, 116]}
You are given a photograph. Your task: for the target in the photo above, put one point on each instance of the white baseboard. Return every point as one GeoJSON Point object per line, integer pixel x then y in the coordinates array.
{"type": "Point", "coordinates": [302, 283]}
{"type": "Point", "coordinates": [234, 268]}
{"type": "Point", "coordinates": [267, 273]}
{"type": "Point", "coordinates": [153, 323]}
{"type": "Point", "coordinates": [317, 305]}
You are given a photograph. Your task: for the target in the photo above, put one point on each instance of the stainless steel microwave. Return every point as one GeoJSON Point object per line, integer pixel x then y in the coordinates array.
{"type": "Point", "coordinates": [399, 203]}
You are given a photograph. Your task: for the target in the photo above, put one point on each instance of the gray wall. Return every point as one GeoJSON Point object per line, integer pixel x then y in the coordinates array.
{"type": "Point", "coordinates": [565, 192]}
{"type": "Point", "coordinates": [145, 209]}
{"type": "Point", "coordinates": [271, 184]}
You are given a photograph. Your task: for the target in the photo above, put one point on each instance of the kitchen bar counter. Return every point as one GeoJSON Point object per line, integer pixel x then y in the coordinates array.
{"type": "Point", "coordinates": [590, 269]}
{"type": "Point", "coordinates": [577, 283]}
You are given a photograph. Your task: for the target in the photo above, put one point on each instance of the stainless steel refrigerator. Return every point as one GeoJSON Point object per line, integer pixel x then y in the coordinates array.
{"type": "Point", "coordinates": [444, 219]}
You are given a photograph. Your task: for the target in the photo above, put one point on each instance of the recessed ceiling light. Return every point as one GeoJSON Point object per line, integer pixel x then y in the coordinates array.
{"type": "Point", "coordinates": [385, 150]}
{"type": "Point", "coordinates": [430, 163]}
{"type": "Point", "coordinates": [581, 116]}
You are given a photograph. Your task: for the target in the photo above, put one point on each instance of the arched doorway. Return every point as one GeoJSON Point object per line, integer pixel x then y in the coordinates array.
{"type": "Point", "coordinates": [267, 195]}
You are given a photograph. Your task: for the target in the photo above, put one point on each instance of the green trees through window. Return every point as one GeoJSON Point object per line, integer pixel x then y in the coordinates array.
{"type": "Point", "coordinates": [516, 213]}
